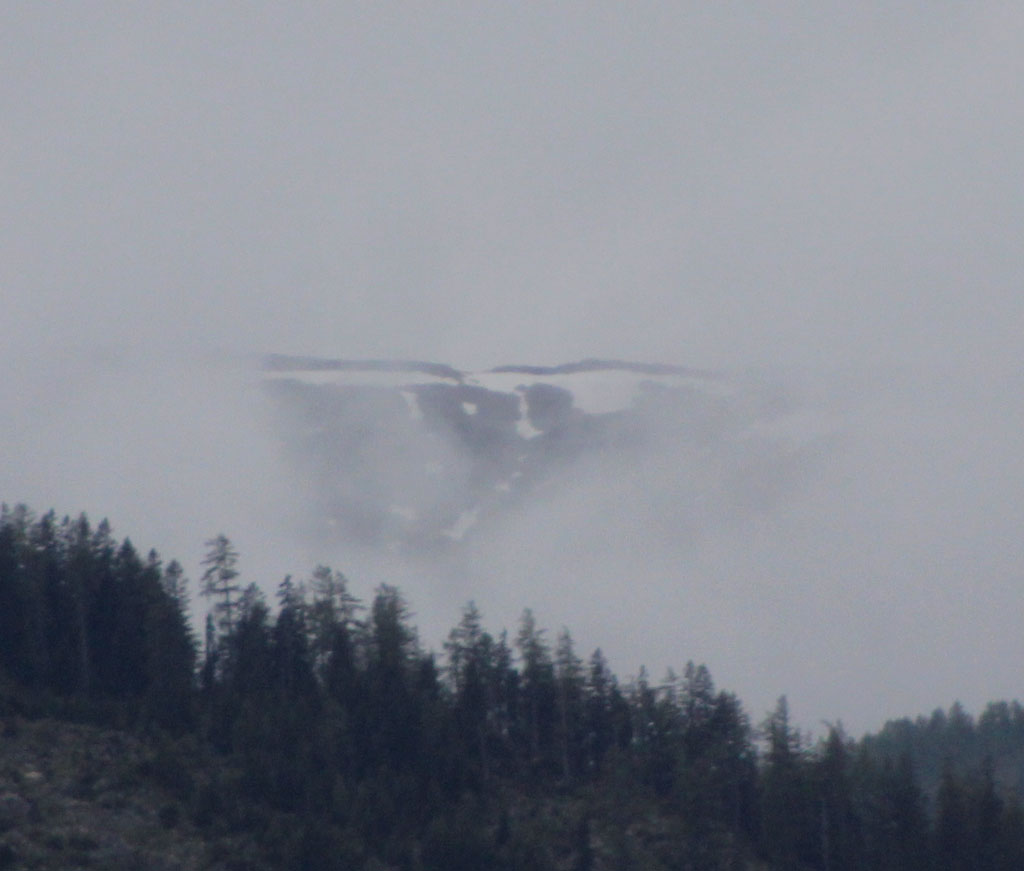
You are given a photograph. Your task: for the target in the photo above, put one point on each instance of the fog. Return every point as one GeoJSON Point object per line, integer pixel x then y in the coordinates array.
{"type": "Point", "coordinates": [824, 202]}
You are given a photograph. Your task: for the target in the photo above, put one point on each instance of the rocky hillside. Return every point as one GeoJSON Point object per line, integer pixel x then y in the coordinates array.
{"type": "Point", "coordinates": [78, 796]}
{"type": "Point", "coordinates": [416, 455]}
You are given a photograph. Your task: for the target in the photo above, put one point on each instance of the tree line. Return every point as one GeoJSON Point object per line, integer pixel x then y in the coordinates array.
{"type": "Point", "coordinates": [319, 724]}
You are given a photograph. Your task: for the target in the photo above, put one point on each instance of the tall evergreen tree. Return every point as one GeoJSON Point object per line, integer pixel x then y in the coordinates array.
{"type": "Point", "coordinates": [471, 671]}
{"type": "Point", "coordinates": [219, 580]}
{"type": "Point", "coordinates": [392, 716]}
{"type": "Point", "coordinates": [839, 835]}
{"type": "Point", "coordinates": [16, 597]}
{"type": "Point", "coordinates": [600, 734]}
{"type": "Point", "coordinates": [332, 611]}
{"type": "Point", "coordinates": [175, 585]}
{"type": "Point", "coordinates": [82, 583]}
{"type": "Point", "coordinates": [570, 684]}
{"type": "Point", "coordinates": [538, 689]}
{"type": "Point", "coordinates": [790, 834]}
{"type": "Point", "coordinates": [953, 835]}
{"type": "Point", "coordinates": [170, 650]}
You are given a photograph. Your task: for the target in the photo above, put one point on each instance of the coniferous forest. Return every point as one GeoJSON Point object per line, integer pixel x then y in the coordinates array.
{"type": "Point", "coordinates": [317, 726]}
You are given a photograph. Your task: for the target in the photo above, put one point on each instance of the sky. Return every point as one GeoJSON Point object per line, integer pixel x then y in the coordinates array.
{"type": "Point", "coordinates": [829, 193]}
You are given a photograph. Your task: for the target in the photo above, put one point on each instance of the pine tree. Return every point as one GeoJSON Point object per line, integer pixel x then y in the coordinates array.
{"type": "Point", "coordinates": [471, 671]}
{"type": "Point", "coordinates": [393, 719]}
{"type": "Point", "coordinates": [332, 612]}
{"type": "Point", "coordinates": [953, 834]}
{"type": "Point", "coordinates": [570, 688]}
{"type": "Point", "coordinates": [219, 580]}
{"type": "Point", "coordinates": [170, 649]}
{"type": "Point", "coordinates": [600, 734]}
{"type": "Point", "coordinates": [538, 687]}
{"type": "Point", "coordinates": [839, 844]}
{"type": "Point", "coordinates": [175, 585]}
{"type": "Point", "coordinates": [790, 825]}
{"type": "Point", "coordinates": [15, 596]}
{"type": "Point", "coordinates": [292, 660]}
{"type": "Point", "coordinates": [81, 590]}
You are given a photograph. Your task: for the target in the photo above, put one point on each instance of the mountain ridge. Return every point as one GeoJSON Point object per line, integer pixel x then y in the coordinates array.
{"type": "Point", "coordinates": [416, 454]}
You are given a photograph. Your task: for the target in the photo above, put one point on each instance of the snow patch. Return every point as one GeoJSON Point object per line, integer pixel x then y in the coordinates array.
{"type": "Point", "coordinates": [525, 429]}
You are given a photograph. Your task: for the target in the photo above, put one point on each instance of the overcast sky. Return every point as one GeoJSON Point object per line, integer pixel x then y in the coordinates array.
{"type": "Point", "coordinates": [833, 191]}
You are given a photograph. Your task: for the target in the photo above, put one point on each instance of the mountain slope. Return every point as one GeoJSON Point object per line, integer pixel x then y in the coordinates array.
{"type": "Point", "coordinates": [415, 455]}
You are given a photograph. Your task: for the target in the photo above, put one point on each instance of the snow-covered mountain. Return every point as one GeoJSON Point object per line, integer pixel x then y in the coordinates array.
{"type": "Point", "coordinates": [412, 455]}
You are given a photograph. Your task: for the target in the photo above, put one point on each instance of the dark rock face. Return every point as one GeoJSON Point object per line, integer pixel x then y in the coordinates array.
{"type": "Point", "coordinates": [548, 408]}
{"type": "Point", "coordinates": [414, 455]}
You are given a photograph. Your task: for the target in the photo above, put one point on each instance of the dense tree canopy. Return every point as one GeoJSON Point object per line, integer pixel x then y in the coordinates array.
{"type": "Point", "coordinates": [347, 745]}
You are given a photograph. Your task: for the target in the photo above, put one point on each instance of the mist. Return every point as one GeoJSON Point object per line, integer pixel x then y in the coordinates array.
{"type": "Point", "coordinates": [822, 204]}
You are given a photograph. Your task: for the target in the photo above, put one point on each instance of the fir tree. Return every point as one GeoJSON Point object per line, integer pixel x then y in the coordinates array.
{"type": "Point", "coordinates": [218, 580]}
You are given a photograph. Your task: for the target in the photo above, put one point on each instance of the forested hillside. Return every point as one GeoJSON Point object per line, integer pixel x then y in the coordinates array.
{"type": "Point", "coordinates": [318, 729]}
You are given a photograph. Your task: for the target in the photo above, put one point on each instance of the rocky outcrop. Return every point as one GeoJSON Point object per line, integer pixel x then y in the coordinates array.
{"type": "Point", "coordinates": [416, 455]}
